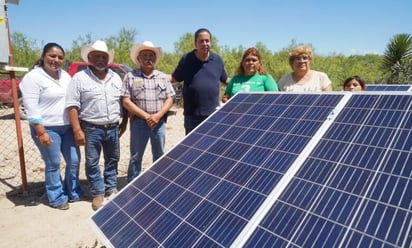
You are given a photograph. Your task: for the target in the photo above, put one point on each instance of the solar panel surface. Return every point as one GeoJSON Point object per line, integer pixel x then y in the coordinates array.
{"type": "Point", "coordinates": [277, 170]}
{"type": "Point", "coordinates": [388, 87]}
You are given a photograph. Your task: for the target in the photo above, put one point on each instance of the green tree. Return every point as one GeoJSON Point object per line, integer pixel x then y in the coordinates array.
{"type": "Point", "coordinates": [73, 54]}
{"type": "Point", "coordinates": [122, 44]}
{"type": "Point", "coordinates": [266, 56]}
{"type": "Point", "coordinates": [231, 58]}
{"type": "Point", "coordinates": [24, 50]}
{"type": "Point", "coordinates": [185, 44]}
{"type": "Point", "coordinates": [397, 57]}
{"type": "Point", "coordinates": [168, 62]}
{"type": "Point", "coordinates": [337, 66]}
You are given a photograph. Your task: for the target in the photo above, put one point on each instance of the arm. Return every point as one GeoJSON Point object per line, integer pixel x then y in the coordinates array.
{"type": "Point", "coordinates": [133, 108]}
{"type": "Point", "coordinates": [228, 91]}
{"type": "Point", "coordinates": [31, 97]}
{"type": "Point", "coordinates": [42, 135]}
{"type": "Point", "coordinates": [154, 119]}
{"type": "Point", "coordinates": [325, 81]}
{"type": "Point", "coordinates": [226, 82]}
{"type": "Point", "coordinates": [270, 84]}
{"type": "Point", "coordinates": [79, 137]}
{"type": "Point", "coordinates": [172, 79]}
{"type": "Point", "coordinates": [225, 98]}
{"type": "Point", "coordinates": [327, 88]}
{"type": "Point", "coordinates": [125, 118]}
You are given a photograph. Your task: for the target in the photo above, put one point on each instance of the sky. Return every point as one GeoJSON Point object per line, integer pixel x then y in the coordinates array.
{"type": "Point", "coordinates": [331, 27]}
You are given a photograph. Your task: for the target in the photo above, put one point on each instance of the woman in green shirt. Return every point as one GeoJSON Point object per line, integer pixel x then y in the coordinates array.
{"type": "Point", "coordinates": [251, 76]}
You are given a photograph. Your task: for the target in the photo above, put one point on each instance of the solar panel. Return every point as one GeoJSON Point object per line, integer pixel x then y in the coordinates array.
{"type": "Point", "coordinates": [388, 87]}
{"type": "Point", "coordinates": [277, 170]}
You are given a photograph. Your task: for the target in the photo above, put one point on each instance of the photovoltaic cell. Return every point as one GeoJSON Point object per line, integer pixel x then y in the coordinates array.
{"type": "Point", "coordinates": [348, 193]}
{"type": "Point", "coordinates": [388, 87]}
{"type": "Point", "coordinates": [277, 170]}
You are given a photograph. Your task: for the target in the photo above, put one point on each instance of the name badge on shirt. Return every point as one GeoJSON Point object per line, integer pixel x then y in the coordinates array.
{"type": "Point", "coordinates": [137, 83]}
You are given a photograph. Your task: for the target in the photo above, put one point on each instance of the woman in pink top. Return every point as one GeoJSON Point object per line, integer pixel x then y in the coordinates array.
{"type": "Point", "coordinates": [302, 78]}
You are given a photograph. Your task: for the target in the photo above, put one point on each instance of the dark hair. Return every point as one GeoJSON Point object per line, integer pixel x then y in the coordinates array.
{"type": "Point", "coordinates": [46, 48]}
{"type": "Point", "coordinates": [357, 78]}
{"type": "Point", "coordinates": [255, 52]}
{"type": "Point", "coordinates": [202, 30]}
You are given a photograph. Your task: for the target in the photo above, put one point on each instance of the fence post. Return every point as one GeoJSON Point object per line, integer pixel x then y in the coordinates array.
{"type": "Point", "coordinates": [11, 71]}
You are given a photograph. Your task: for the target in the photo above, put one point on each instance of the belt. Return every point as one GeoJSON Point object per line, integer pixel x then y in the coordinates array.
{"type": "Point", "coordinates": [109, 125]}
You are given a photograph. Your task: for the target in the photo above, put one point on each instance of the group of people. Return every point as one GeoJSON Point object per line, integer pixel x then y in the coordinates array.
{"type": "Point", "coordinates": [92, 109]}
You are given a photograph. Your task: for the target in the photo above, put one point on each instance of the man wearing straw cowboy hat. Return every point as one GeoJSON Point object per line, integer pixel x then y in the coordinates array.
{"type": "Point", "coordinates": [148, 96]}
{"type": "Point", "coordinates": [94, 103]}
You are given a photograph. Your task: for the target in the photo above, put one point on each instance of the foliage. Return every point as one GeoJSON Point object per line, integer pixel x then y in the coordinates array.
{"type": "Point", "coordinates": [405, 71]}
{"type": "Point", "coordinates": [337, 66]}
{"type": "Point", "coordinates": [231, 58]}
{"type": "Point", "coordinates": [122, 44]}
{"type": "Point", "coordinates": [24, 51]}
{"type": "Point", "coordinates": [185, 44]}
{"type": "Point", "coordinates": [74, 53]}
{"type": "Point", "coordinates": [397, 58]}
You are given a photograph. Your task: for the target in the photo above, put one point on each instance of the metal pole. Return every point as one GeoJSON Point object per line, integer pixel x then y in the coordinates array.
{"type": "Point", "coordinates": [17, 112]}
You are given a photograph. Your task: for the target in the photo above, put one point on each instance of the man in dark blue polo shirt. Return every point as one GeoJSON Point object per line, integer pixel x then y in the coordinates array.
{"type": "Point", "coordinates": [201, 71]}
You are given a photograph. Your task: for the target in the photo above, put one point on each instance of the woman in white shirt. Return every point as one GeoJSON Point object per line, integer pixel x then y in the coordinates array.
{"type": "Point", "coordinates": [44, 92]}
{"type": "Point", "coordinates": [302, 78]}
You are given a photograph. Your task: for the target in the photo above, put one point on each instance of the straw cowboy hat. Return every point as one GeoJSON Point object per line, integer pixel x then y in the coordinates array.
{"type": "Point", "coordinates": [99, 46]}
{"type": "Point", "coordinates": [146, 45]}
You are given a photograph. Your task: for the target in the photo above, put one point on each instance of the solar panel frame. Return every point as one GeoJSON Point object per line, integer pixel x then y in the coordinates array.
{"type": "Point", "coordinates": [207, 165]}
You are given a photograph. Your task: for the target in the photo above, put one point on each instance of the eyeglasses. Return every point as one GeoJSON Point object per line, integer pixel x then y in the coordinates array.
{"type": "Point", "coordinates": [301, 59]}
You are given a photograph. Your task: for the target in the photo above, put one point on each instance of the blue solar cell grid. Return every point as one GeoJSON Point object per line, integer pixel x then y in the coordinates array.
{"type": "Point", "coordinates": [388, 87]}
{"type": "Point", "coordinates": [209, 186]}
{"type": "Point", "coordinates": [354, 188]}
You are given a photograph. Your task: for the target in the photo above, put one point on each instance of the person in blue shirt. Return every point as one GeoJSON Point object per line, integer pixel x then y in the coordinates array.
{"type": "Point", "coordinates": [201, 71]}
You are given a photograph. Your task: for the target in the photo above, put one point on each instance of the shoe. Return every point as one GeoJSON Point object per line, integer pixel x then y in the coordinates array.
{"type": "Point", "coordinates": [63, 206]}
{"type": "Point", "coordinates": [97, 202]}
{"type": "Point", "coordinates": [110, 193]}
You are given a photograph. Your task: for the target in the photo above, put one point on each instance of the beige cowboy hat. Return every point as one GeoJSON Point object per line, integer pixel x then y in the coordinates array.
{"type": "Point", "coordinates": [146, 45]}
{"type": "Point", "coordinates": [99, 46]}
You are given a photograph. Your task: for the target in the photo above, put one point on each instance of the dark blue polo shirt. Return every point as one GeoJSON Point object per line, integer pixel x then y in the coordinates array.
{"type": "Point", "coordinates": [201, 83]}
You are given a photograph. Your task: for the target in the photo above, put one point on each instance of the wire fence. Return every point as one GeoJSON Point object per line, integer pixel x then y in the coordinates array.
{"type": "Point", "coordinates": [10, 167]}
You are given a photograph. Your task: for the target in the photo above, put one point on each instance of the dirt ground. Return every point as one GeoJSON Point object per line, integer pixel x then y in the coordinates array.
{"type": "Point", "coordinates": [26, 220]}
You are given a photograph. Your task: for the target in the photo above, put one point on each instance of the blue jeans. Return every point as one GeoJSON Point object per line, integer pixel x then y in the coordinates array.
{"type": "Point", "coordinates": [191, 122]}
{"type": "Point", "coordinates": [58, 191]}
{"type": "Point", "coordinates": [98, 138]}
{"type": "Point", "coordinates": [139, 136]}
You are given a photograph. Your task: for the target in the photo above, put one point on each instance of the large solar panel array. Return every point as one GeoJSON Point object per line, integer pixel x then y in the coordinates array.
{"type": "Point", "coordinates": [277, 170]}
{"type": "Point", "coordinates": [388, 87]}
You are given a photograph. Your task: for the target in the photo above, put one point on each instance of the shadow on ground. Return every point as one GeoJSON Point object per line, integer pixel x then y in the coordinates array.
{"type": "Point", "coordinates": [36, 194]}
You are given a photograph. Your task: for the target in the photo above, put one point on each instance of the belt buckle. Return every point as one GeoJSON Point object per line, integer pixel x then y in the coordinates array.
{"type": "Point", "coordinates": [110, 125]}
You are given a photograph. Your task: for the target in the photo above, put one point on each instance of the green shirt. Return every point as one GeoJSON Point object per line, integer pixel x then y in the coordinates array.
{"type": "Point", "coordinates": [254, 83]}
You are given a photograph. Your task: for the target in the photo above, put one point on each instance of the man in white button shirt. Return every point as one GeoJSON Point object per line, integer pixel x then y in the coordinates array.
{"type": "Point", "coordinates": [95, 110]}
